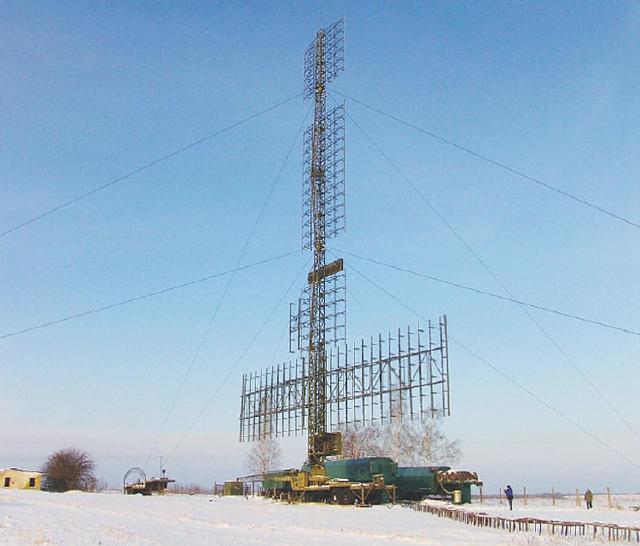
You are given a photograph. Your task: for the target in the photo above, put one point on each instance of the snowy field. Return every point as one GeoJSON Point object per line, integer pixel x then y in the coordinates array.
{"type": "Point", "coordinates": [74, 518]}
{"type": "Point", "coordinates": [622, 512]}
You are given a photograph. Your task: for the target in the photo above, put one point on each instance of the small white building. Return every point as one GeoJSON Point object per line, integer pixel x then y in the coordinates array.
{"type": "Point", "coordinates": [18, 478]}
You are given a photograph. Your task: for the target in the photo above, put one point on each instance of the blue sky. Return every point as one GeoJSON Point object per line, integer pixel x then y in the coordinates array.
{"type": "Point", "coordinates": [93, 91]}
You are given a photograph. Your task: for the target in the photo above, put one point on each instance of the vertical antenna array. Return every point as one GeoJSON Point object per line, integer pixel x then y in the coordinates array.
{"type": "Point", "coordinates": [404, 375]}
{"type": "Point", "coordinates": [323, 215]}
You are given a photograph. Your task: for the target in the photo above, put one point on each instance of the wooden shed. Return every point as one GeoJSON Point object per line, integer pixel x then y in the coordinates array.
{"type": "Point", "coordinates": [233, 488]}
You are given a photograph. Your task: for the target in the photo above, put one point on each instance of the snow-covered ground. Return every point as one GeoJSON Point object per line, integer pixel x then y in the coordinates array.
{"type": "Point", "coordinates": [74, 518]}
{"type": "Point", "coordinates": [622, 512]}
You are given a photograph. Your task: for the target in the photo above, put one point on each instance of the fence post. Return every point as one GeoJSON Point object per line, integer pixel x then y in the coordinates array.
{"type": "Point", "coordinates": [553, 496]}
{"type": "Point", "coordinates": [524, 497]}
{"type": "Point", "coordinates": [577, 497]}
{"type": "Point", "coordinates": [609, 497]}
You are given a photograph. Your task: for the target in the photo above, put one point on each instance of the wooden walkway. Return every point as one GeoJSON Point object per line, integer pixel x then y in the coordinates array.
{"type": "Point", "coordinates": [607, 531]}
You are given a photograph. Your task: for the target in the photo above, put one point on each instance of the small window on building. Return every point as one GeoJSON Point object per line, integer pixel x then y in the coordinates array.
{"type": "Point", "coordinates": [7, 482]}
{"type": "Point", "coordinates": [32, 482]}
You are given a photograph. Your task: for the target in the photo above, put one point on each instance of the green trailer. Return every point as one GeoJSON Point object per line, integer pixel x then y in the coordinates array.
{"type": "Point", "coordinates": [362, 470]}
{"type": "Point", "coordinates": [417, 482]}
{"type": "Point", "coordinates": [233, 488]}
{"type": "Point", "coordinates": [370, 480]}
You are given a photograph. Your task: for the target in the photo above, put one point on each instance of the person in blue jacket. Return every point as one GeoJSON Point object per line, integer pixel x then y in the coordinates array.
{"type": "Point", "coordinates": [509, 493]}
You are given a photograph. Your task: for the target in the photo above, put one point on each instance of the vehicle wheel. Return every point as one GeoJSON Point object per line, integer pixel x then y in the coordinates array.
{"type": "Point", "coordinates": [345, 496]}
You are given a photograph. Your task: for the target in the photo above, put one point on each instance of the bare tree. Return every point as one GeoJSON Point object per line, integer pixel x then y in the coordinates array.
{"type": "Point", "coordinates": [420, 443]}
{"type": "Point", "coordinates": [264, 456]}
{"type": "Point", "coordinates": [265, 453]}
{"type": "Point", "coordinates": [187, 488]}
{"type": "Point", "coordinates": [101, 485]}
{"type": "Point", "coordinates": [435, 447]}
{"type": "Point", "coordinates": [360, 442]}
{"type": "Point", "coordinates": [398, 441]}
{"type": "Point", "coordinates": [409, 443]}
{"type": "Point", "coordinates": [70, 468]}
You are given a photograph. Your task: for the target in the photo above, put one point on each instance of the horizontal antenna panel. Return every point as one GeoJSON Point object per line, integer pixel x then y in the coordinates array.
{"type": "Point", "coordinates": [326, 271]}
{"type": "Point", "coordinates": [404, 376]}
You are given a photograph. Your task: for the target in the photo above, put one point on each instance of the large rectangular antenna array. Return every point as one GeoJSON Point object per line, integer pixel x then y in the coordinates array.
{"type": "Point", "coordinates": [273, 402]}
{"type": "Point", "coordinates": [401, 376]}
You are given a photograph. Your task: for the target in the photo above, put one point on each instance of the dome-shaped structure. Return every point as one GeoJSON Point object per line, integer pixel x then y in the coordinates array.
{"type": "Point", "coordinates": [134, 472]}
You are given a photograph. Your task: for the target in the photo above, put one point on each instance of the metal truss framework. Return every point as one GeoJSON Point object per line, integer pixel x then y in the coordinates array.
{"type": "Point", "coordinates": [332, 199]}
{"type": "Point", "coordinates": [335, 312]}
{"type": "Point", "coordinates": [323, 217]}
{"type": "Point", "coordinates": [331, 385]}
{"type": "Point", "coordinates": [326, 63]}
{"type": "Point", "coordinates": [400, 376]}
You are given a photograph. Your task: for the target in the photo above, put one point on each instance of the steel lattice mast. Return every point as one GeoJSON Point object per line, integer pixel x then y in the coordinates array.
{"type": "Point", "coordinates": [317, 354]}
{"type": "Point", "coordinates": [404, 375]}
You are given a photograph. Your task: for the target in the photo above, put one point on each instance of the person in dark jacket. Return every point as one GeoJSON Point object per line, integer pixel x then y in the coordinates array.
{"type": "Point", "coordinates": [588, 498]}
{"type": "Point", "coordinates": [509, 493]}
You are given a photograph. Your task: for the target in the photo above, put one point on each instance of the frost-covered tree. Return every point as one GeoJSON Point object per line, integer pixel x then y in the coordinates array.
{"type": "Point", "coordinates": [265, 453]}
{"type": "Point", "coordinates": [360, 442]}
{"type": "Point", "coordinates": [420, 443]}
{"type": "Point", "coordinates": [264, 456]}
{"type": "Point", "coordinates": [409, 443]}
